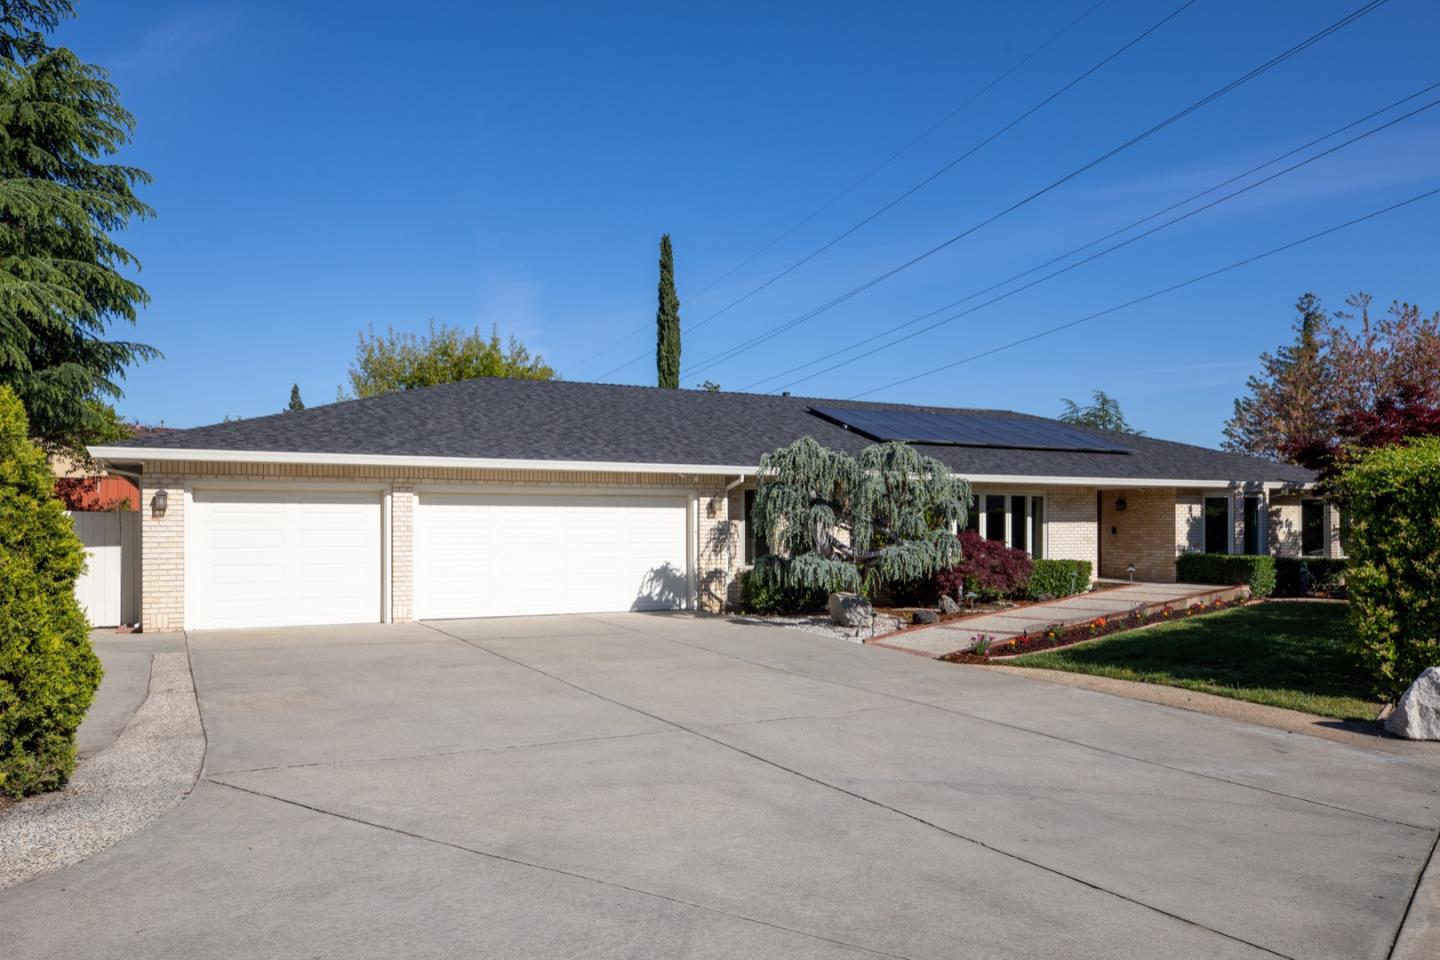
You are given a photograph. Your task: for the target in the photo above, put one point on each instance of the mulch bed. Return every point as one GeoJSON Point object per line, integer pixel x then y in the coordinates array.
{"type": "Point", "coordinates": [1063, 636]}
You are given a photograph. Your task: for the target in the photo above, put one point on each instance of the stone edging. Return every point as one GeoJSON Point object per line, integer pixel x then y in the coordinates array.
{"type": "Point", "coordinates": [152, 765]}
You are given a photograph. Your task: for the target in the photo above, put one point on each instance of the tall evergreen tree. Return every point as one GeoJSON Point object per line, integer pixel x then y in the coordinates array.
{"type": "Point", "coordinates": [1288, 402]}
{"type": "Point", "coordinates": [62, 276]}
{"type": "Point", "coordinates": [1104, 413]}
{"type": "Point", "coordinates": [295, 402]}
{"type": "Point", "coordinates": [667, 321]}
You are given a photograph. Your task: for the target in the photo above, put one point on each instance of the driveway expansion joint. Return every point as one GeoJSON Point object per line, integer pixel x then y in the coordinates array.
{"type": "Point", "coordinates": [876, 803]}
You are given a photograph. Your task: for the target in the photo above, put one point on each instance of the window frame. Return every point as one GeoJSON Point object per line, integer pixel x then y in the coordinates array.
{"type": "Point", "coordinates": [1324, 527]}
{"type": "Point", "coordinates": [1229, 522]}
{"type": "Point", "coordinates": [978, 520]}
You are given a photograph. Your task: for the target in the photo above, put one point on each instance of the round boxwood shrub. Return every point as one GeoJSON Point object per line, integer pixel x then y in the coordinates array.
{"type": "Point", "coordinates": [1393, 495]}
{"type": "Point", "coordinates": [48, 673]}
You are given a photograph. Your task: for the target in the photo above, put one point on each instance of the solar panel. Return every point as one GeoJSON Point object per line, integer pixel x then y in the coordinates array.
{"type": "Point", "coordinates": [965, 429]}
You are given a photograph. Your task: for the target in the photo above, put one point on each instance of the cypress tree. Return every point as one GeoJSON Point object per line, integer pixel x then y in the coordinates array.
{"type": "Point", "coordinates": [63, 279]}
{"type": "Point", "coordinates": [667, 321]}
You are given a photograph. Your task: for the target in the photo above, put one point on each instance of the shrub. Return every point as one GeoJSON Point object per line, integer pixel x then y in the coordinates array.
{"type": "Point", "coordinates": [1058, 578]}
{"type": "Point", "coordinates": [989, 569]}
{"type": "Point", "coordinates": [48, 673]}
{"type": "Point", "coordinates": [1328, 574]}
{"type": "Point", "coordinates": [1256, 572]}
{"type": "Point", "coordinates": [1393, 495]}
{"type": "Point", "coordinates": [759, 596]}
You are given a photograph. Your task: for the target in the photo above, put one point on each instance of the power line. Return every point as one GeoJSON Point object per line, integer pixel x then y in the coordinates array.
{"type": "Point", "coordinates": [846, 191]}
{"type": "Point", "coordinates": [1149, 296]}
{"type": "Point", "coordinates": [1172, 119]}
{"type": "Point", "coordinates": [861, 224]}
{"type": "Point", "coordinates": [1049, 276]}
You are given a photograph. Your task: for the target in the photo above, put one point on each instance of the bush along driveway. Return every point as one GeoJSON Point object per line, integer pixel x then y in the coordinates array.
{"type": "Point", "coordinates": [1294, 655]}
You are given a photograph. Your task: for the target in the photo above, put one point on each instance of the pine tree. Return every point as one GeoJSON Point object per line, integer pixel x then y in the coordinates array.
{"type": "Point", "coordinates": [667, 321]}
{"type": "Point", "coordinates": [295, 402]}
{"type": "Point", "coordinates": [1103, 413]}
{"type": "Point", "coordinates": [61, 280]}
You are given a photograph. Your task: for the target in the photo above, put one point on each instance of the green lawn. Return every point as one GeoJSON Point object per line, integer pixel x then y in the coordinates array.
{"type": "Point", "coordinates": [1291, 655]}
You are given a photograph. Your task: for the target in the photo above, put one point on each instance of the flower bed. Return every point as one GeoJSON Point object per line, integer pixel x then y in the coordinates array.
{"type": "Point", "coordinates": [1060, 635]}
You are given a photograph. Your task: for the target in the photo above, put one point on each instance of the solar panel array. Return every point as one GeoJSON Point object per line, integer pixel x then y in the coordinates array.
{"type": "Point", "coordinates": [966, 430]}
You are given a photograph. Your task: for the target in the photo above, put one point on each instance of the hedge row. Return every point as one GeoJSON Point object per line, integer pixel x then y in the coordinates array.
{"type": "Point", "coordinates": [1256, 572]}
{"type": "Point", "coordinates": [1058, 578]}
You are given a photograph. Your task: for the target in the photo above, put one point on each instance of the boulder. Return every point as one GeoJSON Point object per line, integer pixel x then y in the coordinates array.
{"type": "Point", "coordinates": [925, 616]}
{"type": "Point", "coordinates": [948, 604]}
{"type": "Point", "coordinates": [1417, 715]}
{"type": "Point", "coordinates": [850, 610]}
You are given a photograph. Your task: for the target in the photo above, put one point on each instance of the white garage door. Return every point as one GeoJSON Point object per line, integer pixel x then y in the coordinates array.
{"type": "Point", "coordinates": [283, 558]}
{"type": "Point", "coordinates": [494, 555]}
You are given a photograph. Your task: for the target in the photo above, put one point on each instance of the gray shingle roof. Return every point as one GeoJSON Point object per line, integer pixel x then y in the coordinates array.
{"type": "Point", "coordinates": [563, 420]}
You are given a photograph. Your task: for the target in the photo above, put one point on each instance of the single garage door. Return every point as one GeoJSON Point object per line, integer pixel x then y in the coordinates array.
{"type": "Point", "coordinates": [494, 555]}
{"type": "Point", "coordinates": [283, 558]}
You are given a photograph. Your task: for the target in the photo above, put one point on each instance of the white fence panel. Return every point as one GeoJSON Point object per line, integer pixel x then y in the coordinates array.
{"type": "Point", "coordinates": [108, 590]}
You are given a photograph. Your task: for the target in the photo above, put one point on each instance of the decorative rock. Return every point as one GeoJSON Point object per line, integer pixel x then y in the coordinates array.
{"type": "Point", "coordinates": [948, 605]}
{"type": "Point", "coordinates": [925, 616]}
{"type": "Point", "coordinates": [1417, 715]}
{"type": "Point", "coordinates": [850, 610]}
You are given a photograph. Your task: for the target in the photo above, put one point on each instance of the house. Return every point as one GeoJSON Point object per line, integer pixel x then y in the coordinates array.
{"type": "Point", "coordinates": [499, 497]}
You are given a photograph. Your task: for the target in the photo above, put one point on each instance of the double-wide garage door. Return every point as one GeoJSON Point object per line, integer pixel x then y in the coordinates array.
{"type": "Point", "coordinates": [293, 557]}
{"type": "Point", "coordinates": [491, 555]}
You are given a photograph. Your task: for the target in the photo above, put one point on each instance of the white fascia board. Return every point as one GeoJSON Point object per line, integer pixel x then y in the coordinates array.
{"type": "Point", "coordinates": [1111, 482]}
{"type": "Point", "coordinates": [171, 454]}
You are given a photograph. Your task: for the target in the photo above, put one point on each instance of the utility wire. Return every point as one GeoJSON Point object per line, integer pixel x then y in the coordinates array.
{"type": "Point", "coordinates": [691, 298]}
{"type": "Point", "coordinates": [1149, 296]}
{"type": "Point", "coordinates": [1114, 233]}
{"type": "Point", "coordinates": [1090, 165]}
{"type": "Point", "coordinates": [861, 224]}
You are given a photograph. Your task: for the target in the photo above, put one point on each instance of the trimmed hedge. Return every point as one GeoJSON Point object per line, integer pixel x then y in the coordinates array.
{"type": "Point", "coordinates": [48, 673]}
{"type": "Point", "coordinates": [1058, 578]}
{"type": "Point", "coordinates": [1393, 495]}
{"type": "Point", "coordinates": [1255, 571]}
{"type": "Point", "coordinates": [1329, 575]}
{"type": "Point", "coordinates": [756, 596]}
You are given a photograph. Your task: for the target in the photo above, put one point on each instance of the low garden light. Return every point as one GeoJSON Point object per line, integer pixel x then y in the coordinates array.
{"type": "Point", "coordinates": [158, 503]}
{"type": "Point", "coordinates": [1130, 570]}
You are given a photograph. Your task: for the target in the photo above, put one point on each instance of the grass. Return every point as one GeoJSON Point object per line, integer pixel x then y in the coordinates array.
{"type": "Point", "coordinates": [1292, 655]}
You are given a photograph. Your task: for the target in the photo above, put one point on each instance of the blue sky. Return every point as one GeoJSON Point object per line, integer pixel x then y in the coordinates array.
{"type": "Point", "coordinates": [324, 167]}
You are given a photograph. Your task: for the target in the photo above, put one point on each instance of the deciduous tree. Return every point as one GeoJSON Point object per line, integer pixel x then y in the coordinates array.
{"type": "Point", "coordinates": [404, 361]}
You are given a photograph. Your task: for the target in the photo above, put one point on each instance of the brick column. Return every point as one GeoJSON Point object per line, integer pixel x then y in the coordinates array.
{"type": "Point", "coordinates": [402, 552]}
{"type": "Point", "coordinates": [162, 555]}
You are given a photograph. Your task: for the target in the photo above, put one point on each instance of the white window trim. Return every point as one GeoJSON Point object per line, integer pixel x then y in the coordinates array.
{"type": "Point", "coordinates": [1044, 535]}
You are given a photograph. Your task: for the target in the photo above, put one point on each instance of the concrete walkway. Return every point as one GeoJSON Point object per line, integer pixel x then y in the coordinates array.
{"type": "Point", "coordinates": [960, 634]}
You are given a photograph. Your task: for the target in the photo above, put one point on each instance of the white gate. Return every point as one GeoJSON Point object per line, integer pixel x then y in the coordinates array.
{"type": "Point", "coordinates": [109, 589]}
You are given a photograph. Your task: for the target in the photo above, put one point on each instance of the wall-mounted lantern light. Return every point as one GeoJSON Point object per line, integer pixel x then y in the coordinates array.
{"type": "Point", "coordinates": [158, 503]}
{"type": "Point", "coordinates": [1120, 504]}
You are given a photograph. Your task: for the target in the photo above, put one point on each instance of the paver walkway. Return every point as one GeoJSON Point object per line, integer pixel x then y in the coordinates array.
{"type": "Point", "coordinates": [960, 634]}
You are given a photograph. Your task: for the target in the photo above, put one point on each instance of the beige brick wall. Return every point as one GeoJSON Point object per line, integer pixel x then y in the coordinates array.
{"type": "Point", "coordinates": [1071, 530]}
{"type": "Point", "coordinates": [162, 554]}
{"type": "Point", "coordinates": [163, 539]}
{"type": "Point", "coordinates": [1144, 534]}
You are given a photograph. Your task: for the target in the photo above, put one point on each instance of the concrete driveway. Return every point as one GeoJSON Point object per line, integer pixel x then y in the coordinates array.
{"type": "Point", "coordinates": [661, 786]}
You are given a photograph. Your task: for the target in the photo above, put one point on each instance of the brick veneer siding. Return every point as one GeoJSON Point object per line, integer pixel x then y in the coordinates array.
{"type": "Point", "coordinates": [1143, 534]}
{"type": "Point", "coordinates": [163, 539]}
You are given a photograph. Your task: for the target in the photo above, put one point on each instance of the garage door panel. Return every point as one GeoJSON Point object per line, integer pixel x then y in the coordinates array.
{"type": "Point", "coordinates": [279, 558]}
{"type": "Point", "coordinates": [517, 554]}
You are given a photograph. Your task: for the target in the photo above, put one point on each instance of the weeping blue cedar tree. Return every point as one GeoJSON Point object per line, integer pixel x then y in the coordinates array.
{"type": "Point", "coordinates": [63, 279]}
{"type": "Point", "coordinates": [837, 522]}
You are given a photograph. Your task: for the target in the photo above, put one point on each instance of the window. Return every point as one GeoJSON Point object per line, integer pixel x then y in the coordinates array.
{"type": "Point", "coordinates": [1014, 519]}
{"type": "Point", "coordinates": [1254, 510]}
{"type": "Point", "coordinates": [755, 545]}
{"type": "Point", "coordinates": [1217, 524]}
{"type": "Point", "coordinates": [1312, 528]}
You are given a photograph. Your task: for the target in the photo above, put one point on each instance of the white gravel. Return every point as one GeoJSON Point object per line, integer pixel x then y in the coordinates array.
{"type": "Point", "coordinates": [150, 767]}
{"type": "Point", "coordinates": [821, 625]}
